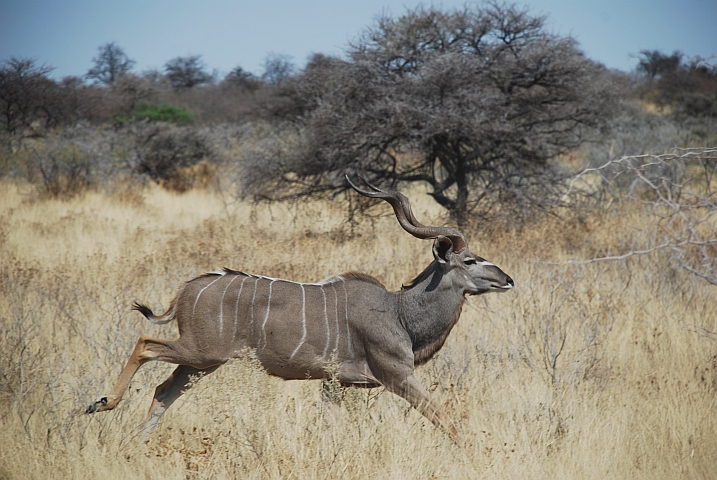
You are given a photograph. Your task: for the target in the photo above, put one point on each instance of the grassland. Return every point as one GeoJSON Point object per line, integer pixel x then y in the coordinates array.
{"type": "Point", "coordinates": [599, 370]}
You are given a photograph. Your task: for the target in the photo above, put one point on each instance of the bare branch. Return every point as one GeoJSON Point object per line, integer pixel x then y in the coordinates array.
{"type": "Point", "coordinates": [678, 193]}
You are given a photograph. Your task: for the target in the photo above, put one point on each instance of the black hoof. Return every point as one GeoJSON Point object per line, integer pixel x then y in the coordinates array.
{"type": "Point", "coordinates": [92, 408]}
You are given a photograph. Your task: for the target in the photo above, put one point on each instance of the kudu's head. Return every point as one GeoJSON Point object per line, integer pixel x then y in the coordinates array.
{"type": "Point", "coordinates": [470, 272]}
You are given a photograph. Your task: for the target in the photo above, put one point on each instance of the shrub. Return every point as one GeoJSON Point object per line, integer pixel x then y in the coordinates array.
{"type": "Point", "coordinates": [68, 162]}
{"type": "Point", "coordinates": [167, 154]}
{"type": "Point", "coordinates": [159, 113]}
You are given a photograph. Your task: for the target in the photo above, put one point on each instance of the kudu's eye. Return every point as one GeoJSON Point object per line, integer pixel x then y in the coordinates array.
{"type": "Point", "coordinates": [470, 261]}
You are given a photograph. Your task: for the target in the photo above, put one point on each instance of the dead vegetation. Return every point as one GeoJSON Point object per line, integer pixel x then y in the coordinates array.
{"type": "Point", "coordinates": [592, 370]}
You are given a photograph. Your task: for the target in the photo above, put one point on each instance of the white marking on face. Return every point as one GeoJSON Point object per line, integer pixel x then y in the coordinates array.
{"type": "Point", "coordinates": [486, 263]}
{"type": "Point", "coordinates": [194, 308]}
{"type": "Point", "coordinates": [303, 322]}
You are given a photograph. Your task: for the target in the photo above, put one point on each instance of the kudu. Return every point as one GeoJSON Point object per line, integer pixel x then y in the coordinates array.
{"type": "Point", "coordinates": [377, 337]}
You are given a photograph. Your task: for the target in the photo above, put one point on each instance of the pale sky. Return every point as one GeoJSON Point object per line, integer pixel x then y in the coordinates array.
{"type": "Point", "coordinates": [66, 34]}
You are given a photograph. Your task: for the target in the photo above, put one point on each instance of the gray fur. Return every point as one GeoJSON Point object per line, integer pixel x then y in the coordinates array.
{"type": "Point", "coordinates": [377, 336]}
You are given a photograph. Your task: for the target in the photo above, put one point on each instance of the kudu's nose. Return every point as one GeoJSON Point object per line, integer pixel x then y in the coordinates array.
{"type": "Point", "coordinates": [510, 282]}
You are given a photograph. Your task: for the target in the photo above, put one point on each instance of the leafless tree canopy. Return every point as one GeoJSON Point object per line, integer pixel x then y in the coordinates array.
{"type": "Point", "coordinates": [687, 86]}
{"type": "Point", "coordinates": [473, 102]}
{"type": "Point", "coordinates": [27, 95]}
{"type": "Point", "coordinates": [278, 69]}
{"type": "Point", "coordinates": [240, 78]}
{"type": "Point", "coordinates": [654, 63]}
{"type": "Point", "coordinates": [111, 63]}
{"type": "Point", "coordinates": [186, 72]}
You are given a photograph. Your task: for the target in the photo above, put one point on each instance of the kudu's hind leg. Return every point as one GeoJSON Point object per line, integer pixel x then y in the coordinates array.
{"type": "Point", "coordinates": [170, 390]}
{"type": "Point", "coordinates": [147, 349]}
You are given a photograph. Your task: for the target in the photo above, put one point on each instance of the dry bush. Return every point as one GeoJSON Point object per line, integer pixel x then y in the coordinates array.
{"type": "Point", "coordinates": [600, 370]}
{"type": "Point", "coordinates": [676, 195]}
{"type": "Point", "coordinates": [73, 160]}
{"type": "Point", "coordinates": [67, 162]}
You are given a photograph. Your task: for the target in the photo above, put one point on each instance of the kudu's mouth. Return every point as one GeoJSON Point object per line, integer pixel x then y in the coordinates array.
{"type": "Point", "coordinates": [493, 286]}
{"type": "Point", "coordinates": [497, 287]}
{"type": "Point", "coordinates": [509, 284]}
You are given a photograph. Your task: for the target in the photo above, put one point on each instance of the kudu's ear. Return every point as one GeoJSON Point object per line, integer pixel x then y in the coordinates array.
{"type": "Point", "coordinates": [442, 248]}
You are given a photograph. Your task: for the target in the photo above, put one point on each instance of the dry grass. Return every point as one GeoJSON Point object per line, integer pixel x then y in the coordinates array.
{"type": "Point", "coordinates": [583, 371]}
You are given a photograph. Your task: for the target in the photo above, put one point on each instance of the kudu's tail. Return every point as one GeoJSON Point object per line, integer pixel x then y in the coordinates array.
{"type": "Point", "coordinates": [166, 317]}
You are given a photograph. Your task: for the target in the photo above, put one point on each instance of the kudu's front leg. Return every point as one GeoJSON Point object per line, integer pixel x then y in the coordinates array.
{"type": "Point", "coordinates": [412, 390]}
{"type": "Point", "coordinates": [170, 390]}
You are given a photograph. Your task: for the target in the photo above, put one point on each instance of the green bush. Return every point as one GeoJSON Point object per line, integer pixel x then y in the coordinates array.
{"type": "Point", "coordinates": [159, 113]}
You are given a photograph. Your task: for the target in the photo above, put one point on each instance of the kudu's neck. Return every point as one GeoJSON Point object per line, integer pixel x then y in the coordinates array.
{"type": "Point", "coordinates": [428, 309]}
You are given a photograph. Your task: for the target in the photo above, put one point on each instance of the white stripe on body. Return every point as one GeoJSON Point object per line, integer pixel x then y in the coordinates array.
{"type": "Point", "coordinates": [236, 307]}
{"type": "Point", "coordinates": [266, 317]}
{"type": "Point", "coordinates": [202, 291]}
{"type": "Point", "coordinates": [328, 330]}
{"type": "Point", "coordinates": [346, 306]}
{"type": "Point", "coordinates": [253, 296]}
{"type": "Point", "coordinates": [336, 318]}
{"type": "Point", "coordinates": [303, 321]}
{"type": "Point", "coordinates": [328, 281]}
{"type": "Point", "coordinates": [221, 306]}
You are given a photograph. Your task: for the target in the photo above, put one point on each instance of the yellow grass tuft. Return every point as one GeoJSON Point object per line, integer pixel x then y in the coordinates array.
{"type": "Point", "coordinates": [630, 393]}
